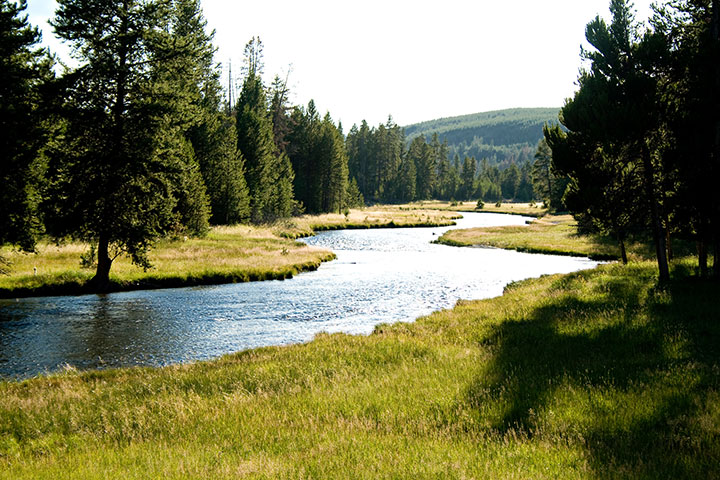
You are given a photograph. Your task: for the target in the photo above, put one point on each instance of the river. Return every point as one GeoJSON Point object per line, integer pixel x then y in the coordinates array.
{"type": "Point", "coordinates": [380, 276]}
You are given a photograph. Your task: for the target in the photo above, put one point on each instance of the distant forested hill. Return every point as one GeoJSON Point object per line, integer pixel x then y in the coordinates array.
{"type": "Point", "coordinates": [502, 136]}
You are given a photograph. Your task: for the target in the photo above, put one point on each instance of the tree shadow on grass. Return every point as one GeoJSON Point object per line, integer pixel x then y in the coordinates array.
{"type": "Point", "coordinates": [630, 373]}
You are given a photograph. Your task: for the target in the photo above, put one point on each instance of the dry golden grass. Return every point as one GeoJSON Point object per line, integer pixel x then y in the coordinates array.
{"type": "Point", "coordinates": [529, 209]}
{"type": "Point", "coordinates": [551, 234]}
{"type": "Point", "coordinates": [370, 217]}
{"type": "Point", "coordinates": [227, 254]}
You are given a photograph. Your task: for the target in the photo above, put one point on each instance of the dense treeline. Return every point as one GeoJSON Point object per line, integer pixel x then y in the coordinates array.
{"type": "Point", "coordinates": [137, 143]}
{"type": "Point", "coordinates": [641, 138]}
{"type": "Point", "coordinates": [388, 169]}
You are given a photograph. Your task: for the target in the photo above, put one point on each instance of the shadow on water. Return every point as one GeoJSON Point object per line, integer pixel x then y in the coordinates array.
{"type": "Point", "coordinates": [630, 373]}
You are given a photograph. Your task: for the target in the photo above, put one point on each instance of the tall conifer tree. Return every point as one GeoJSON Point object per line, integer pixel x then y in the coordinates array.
{"type": "Point", "coordinates": [23, 69]}
{"type": "Point", "coordinates": [118, 170]}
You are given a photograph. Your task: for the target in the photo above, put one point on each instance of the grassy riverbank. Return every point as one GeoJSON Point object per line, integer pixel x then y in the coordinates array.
{"type": "Point", "coordinates": [226, 255]}
{"type": "Point", "coordinates": [529, 209]}
{"type": "Point", "coordinates": [552, 234]}
{"type": "Point", "coordinates": [596, 374]}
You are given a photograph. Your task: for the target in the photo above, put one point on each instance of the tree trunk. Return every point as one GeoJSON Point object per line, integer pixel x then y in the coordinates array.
{"type": "Point", "coordinates": [623, 251]}
{"type": "Point", "coordinates": [658, 233]}
{"type": "Point", "coordinates": [548, 203]}
{"type": "Point", "coordinates": [702, 257]}
{"type": "Point", "coordinates": [101, 281]}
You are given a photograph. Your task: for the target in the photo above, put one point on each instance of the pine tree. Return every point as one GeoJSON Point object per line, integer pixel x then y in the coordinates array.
{"type": "Point", "coordinates": [423, 158]}
{"type": "Point", "coordinates": [120, 173]}
{"type": "Point", "coordinates": [194, 82]}
{"type": "Point", "coordinates": [614, 117]}
{"type": "Point", "coordinates": [24, 69]}
{"type": "Point", "coordinates": [269, 174]}
{"type": "Point", "coordinates": [467, 178]}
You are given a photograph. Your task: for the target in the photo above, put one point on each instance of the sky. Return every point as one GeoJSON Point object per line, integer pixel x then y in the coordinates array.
{"type": "Point", "coordinates": [415, 60]}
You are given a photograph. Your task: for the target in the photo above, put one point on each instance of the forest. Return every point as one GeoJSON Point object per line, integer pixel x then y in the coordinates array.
{"type": "Point", "coordinates": [139, 141]}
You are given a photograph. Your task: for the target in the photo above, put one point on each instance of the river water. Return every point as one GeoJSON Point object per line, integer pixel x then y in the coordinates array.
{"type": "Point", "coordinates": [380, 276]}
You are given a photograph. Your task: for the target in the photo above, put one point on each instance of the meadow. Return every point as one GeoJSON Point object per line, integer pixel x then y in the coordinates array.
{"type": "Point", "coordinates": [596, 374]}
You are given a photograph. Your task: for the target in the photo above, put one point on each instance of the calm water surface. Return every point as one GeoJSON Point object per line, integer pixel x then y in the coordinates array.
{"type": "Point", "coordinates": [380, 276]}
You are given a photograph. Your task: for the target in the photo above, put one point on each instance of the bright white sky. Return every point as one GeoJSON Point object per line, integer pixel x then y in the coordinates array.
{"type": "Point", "coordinates": [414, 59]}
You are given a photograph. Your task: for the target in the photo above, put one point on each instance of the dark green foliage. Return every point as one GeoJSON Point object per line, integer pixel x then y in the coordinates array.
{"type": "Point", "coordinates": [269, 172]}
{"type": "Point", "coordinates": [612, 151]}
{"type": "Point", "coordinates": [23, 71]}
{"type": "Point", "coordinates": [690, 30]}
{"type": "Point", "coordinates": [317, 150]}
{"type": "Point", "coordinates": [547, 184]}
{"type": "Point", "coordinates": [374, 159]}
{"type": "Point", "coordinates": [222, 167]}
{"type": "Point", "coordinates": [194, 84]}
{"type": "Point", "coordinates": [467, 179]}
{"type": "Point", "coordinates": [124, 173]}
{"type": "Point", "coordinates": [422, 157]}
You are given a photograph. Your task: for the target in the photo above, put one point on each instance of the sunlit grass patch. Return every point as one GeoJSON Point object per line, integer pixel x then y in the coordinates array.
{"type": "Point", "coordinates": [552, 234]}
{"type": "Point", "coordinates": [529, 209]}
{"type": "Point", "coordinates": [227, 254]}
{"type": "Point", "coordinates": [382, 216]}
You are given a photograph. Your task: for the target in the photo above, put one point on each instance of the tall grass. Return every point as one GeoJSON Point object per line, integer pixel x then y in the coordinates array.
{"type": "Point", "coordinates": [597, 374]}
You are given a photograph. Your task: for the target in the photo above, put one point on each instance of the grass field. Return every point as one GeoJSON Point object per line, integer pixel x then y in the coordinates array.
{"type": "Point", "coordinates": [226, 255]}
{"type": "Point", "coordinates": [529, 209]}
{"type": "Point", "coordinates": [552, 234]}
{"type": "Point", "coordinates": [597, 374]}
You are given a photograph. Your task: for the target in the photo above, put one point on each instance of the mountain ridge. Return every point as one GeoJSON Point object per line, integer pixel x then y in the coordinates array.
{"type": "Point", "coordinates": [501, 137]}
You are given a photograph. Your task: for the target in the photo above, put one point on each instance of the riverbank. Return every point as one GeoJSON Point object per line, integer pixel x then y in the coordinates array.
{"type": "Point", "coordinates": [551, 234]}
{"type": "Point", "coordinates": [596, 374]}
{"type": "Point", "coordinates": [226, 255]}
{"type": "Point", "coordinates": [527, 209]}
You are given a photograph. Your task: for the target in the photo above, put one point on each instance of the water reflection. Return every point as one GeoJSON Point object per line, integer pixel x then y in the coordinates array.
{"type": "Point", "coordinates": [379, 276]}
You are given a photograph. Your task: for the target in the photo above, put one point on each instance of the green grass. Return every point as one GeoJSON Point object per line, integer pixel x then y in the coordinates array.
{"type": "Point", "coordinates": [597, 374]}
{"type": "Point", "coordinates": [553, 234]}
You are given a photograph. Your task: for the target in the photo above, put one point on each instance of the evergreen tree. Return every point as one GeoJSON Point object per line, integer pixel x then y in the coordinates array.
{"type": "Point", "coordinates": [690, 34]}
{"type": "Point", "coordinates": [467, 178]}
{"type": "Point", "coordinates": [524, 191]}
{"type": "Point", "coordinates": [421, 156]}
{"type": "Point", "coordinates": [614, 115]}
{"type": "Point", "coordinates": [117, 173]}
{"type": "Point", "coordinates": [269, 173]}
{"type": "Point", "coordinates": [546, 183]}
{"type": "Point", "coordinates": [510, 179]}
{"type": "Point", "coordinates": [23, 71]}
{"type": "Point", "coordinates": [406, 180]}
{"type": "Point", "coordinates": [361, 164]}
{"type": "Point", "coordinates": [211, 131]}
